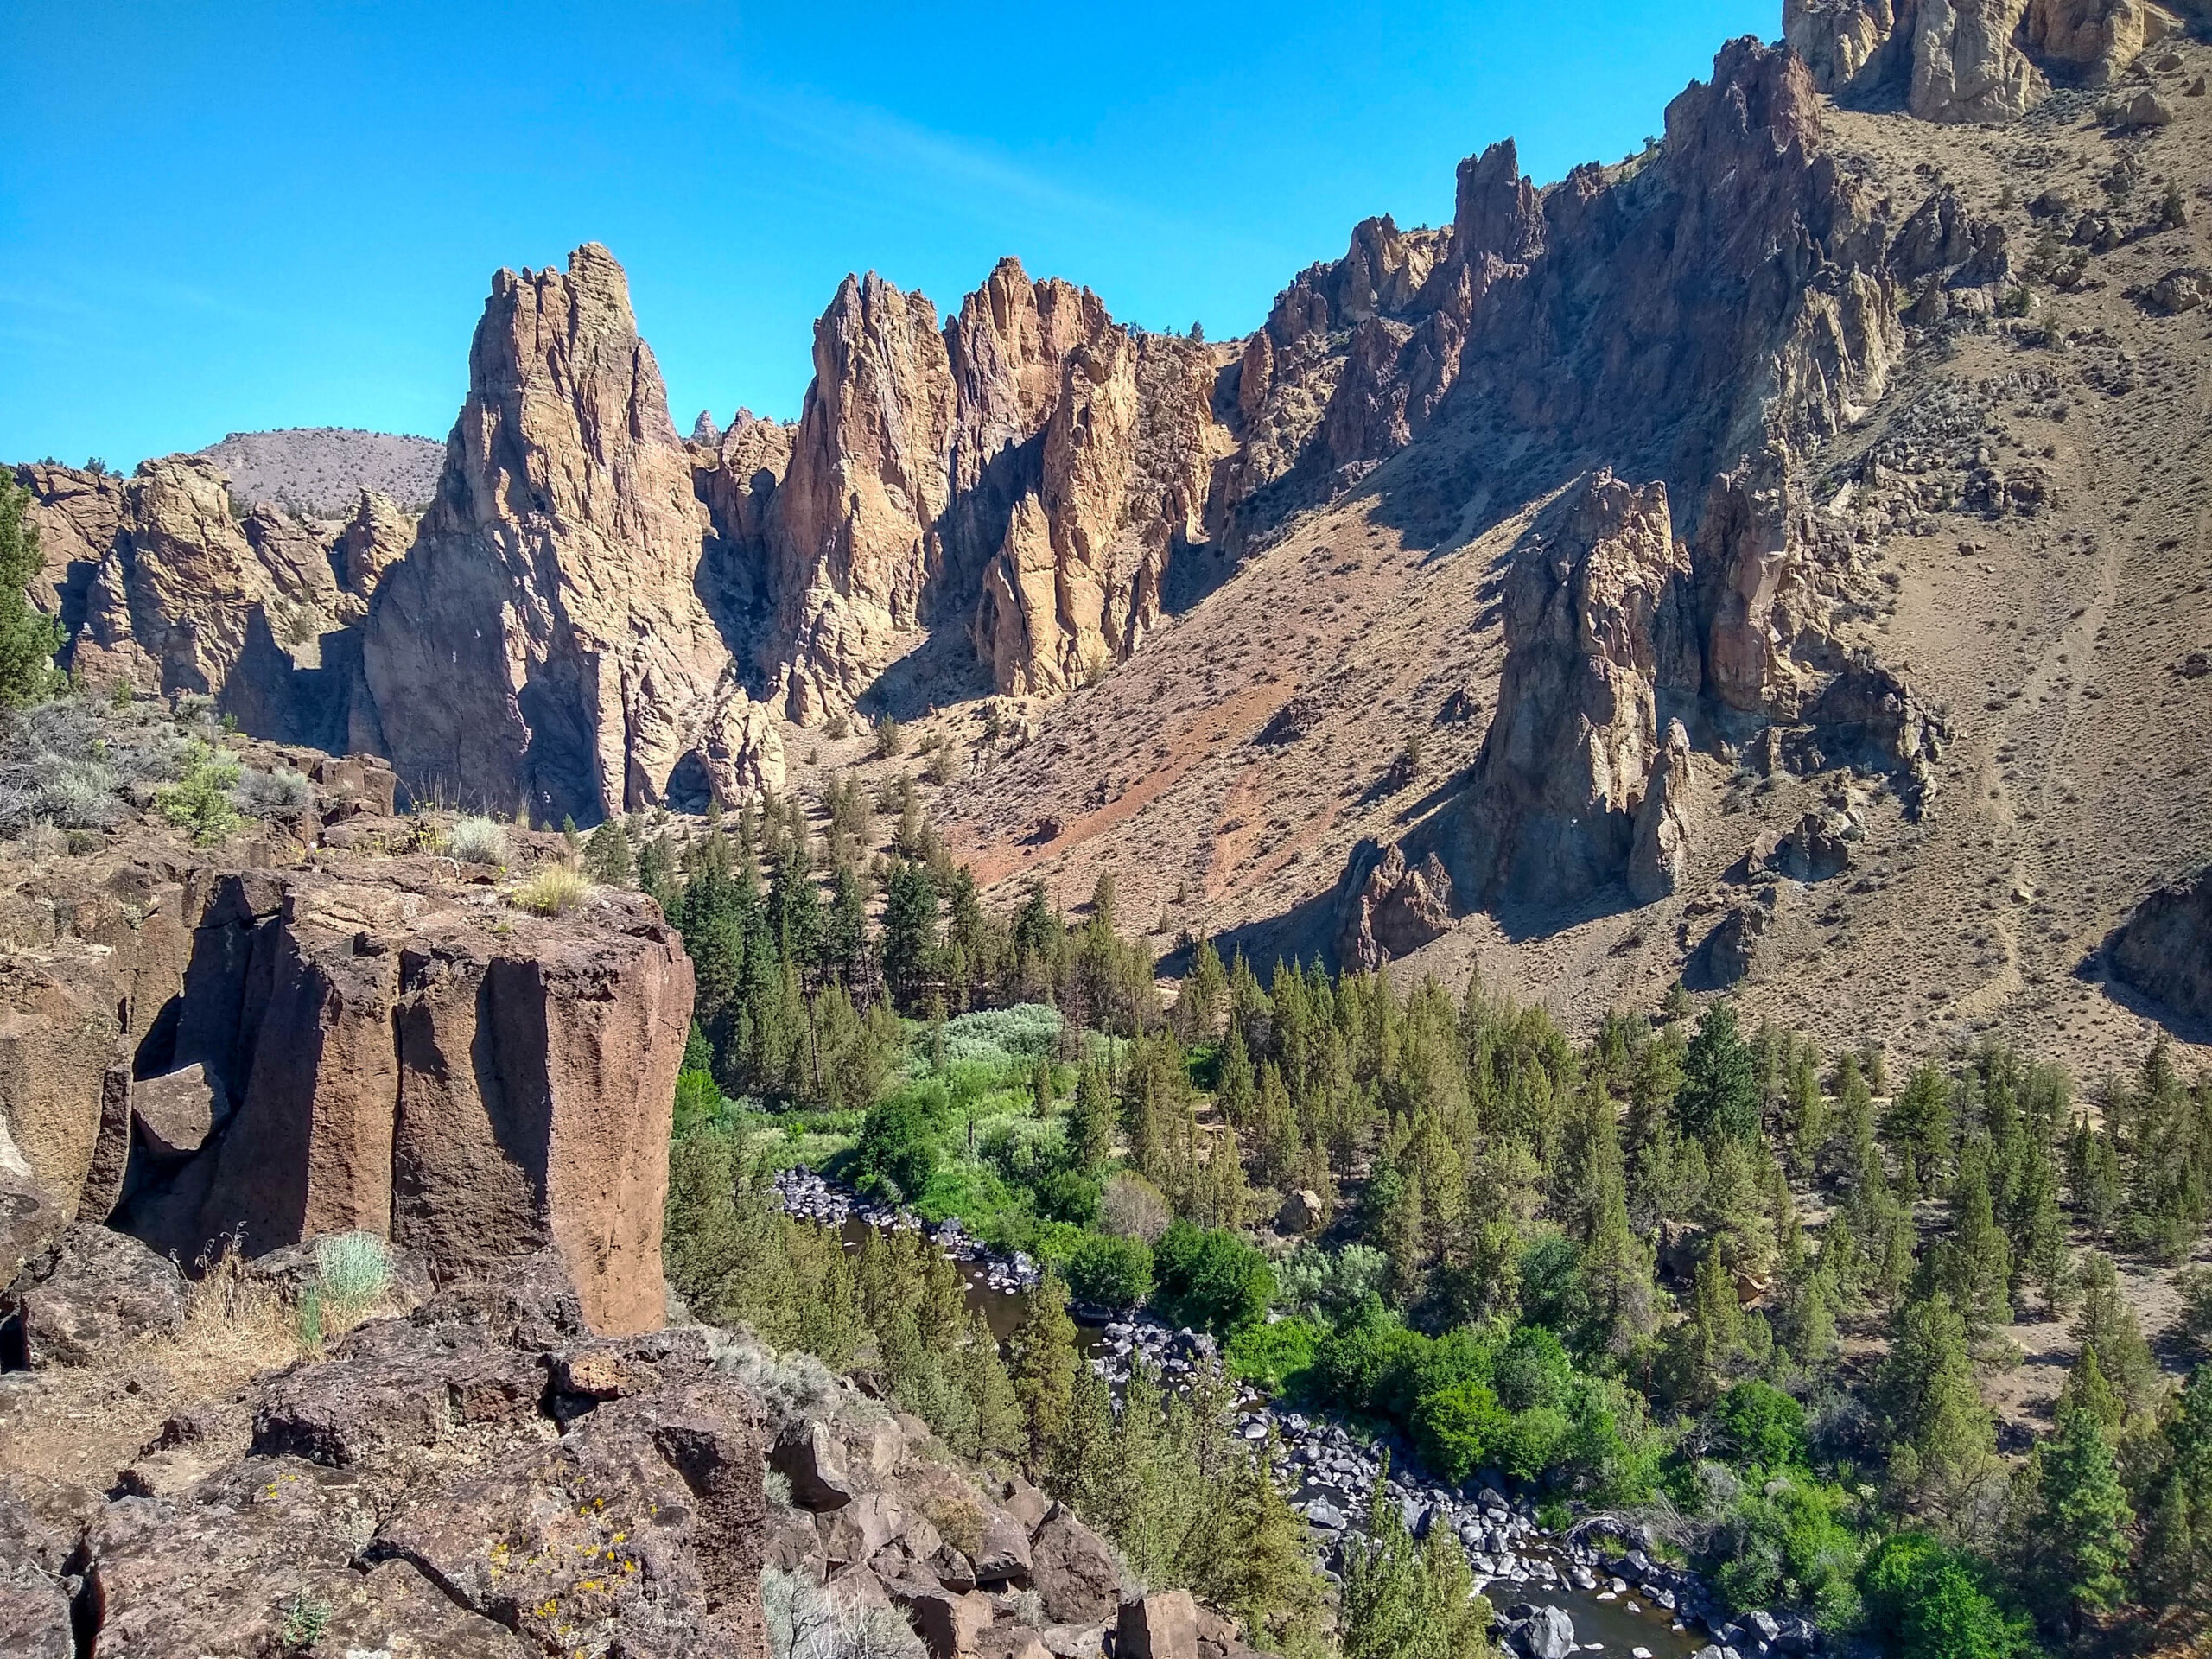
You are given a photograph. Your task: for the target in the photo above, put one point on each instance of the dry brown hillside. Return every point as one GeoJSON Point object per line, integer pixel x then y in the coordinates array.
{"type": "Point", "coordinates": [1227, 772]}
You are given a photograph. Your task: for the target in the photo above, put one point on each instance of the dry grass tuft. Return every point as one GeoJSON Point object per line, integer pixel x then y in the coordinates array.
{"type": "Point", "coordinates": [83, 1425]}
{"type": "Point", "coordinates": [554, 891]}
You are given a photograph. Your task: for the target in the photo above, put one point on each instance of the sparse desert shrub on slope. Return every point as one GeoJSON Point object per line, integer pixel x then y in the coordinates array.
{"type": "Point", "coordinates": [477, 840]}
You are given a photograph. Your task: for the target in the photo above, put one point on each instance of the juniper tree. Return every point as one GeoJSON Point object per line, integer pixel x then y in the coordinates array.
{"type": "Point", "coordinates": [1043, 1365]}
{"type": "Point", "coordinates": [29, 638]}
{"type": "Point", "coordinates": [1941, 1455]}
{"type": "Point", "coordinates": [1719, 1095]}
{"type": "Point", "coordinates": [2082, 1521]}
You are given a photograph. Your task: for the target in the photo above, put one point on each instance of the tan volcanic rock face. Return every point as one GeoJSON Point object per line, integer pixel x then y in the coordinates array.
{"type": "Point", "coordinates": [866, 486]}
{"type": "Point", "coordinates": [543, 643]}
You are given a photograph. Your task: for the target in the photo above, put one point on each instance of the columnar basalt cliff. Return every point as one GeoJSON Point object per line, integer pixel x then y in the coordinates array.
{"type": "Point", "coordinates": [191, 1052]}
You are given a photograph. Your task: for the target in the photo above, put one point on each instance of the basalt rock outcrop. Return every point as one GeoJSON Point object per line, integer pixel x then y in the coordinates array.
{"type": "Point", "coordinates": [544, 643]}
{"type": "Point", "coordinates": [2164, 948]}
{"type": "Point", "coordinates": [444, 1483]}
{"type": "Point", "coordinates": [191, 1052]}
{"type": "Point", "coordinates": [1596, 625]}
{"type": "Point", "coordinates": [1018, 478]}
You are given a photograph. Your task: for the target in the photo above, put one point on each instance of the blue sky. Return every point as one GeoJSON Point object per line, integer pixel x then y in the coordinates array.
{"type": "Point", "coordinates": [218, 217]}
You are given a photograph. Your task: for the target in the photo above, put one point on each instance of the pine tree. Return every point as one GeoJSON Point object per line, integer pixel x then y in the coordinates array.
{"type": "Point", "coordinates": [1918, 1122]}
{"type": "Point", "coordinates": [1263, 1553]}
{"type": "Point", "coordinates": [1941, 1453]}
{"type": "Point", "coordinates": [1091, 1118]}
{"type": "Point", "coordinates": [2086, 1390]}
{"type": "Point", "coordinates": [1720, 1093]}
{"type": "Point", "coordinates": [1043, 1363]}
{"type": "Point", "coordinates": [606, 854]}
{"type": "Point", "coordinates": [1080, 1465]}
{"type": "Point", "coordinates": [2106, 1323]}
{"type": "Point", "coordinates": [2082, 1521]}
{"type": "Point", "coordinates": [1403, 1600]}
{"type": "Point", "coordinates": [909, 944]}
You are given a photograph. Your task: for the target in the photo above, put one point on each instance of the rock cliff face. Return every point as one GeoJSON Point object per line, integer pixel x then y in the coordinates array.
{"type": "Point", "coordinates": [1021, 475]}
{"type": "Point", "coordinates": [191, 1052]}
{"type": "Point", "coordinates": [1598, 625]}
{"type": "Point", "coordinates": [2164, 948]}
{"type": "Point", "coordinates": [542, 645]}
{"type": "Point", "coordinates": [163, 582]}
{"type": "Point", "coordinates": [1976, 60]}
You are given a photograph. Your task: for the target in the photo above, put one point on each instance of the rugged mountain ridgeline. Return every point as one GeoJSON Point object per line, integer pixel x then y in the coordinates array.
{"type": "Point", "coordinates": [1561, 568]}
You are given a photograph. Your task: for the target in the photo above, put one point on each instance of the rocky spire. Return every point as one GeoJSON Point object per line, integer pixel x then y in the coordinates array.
{"type": "Point", "coordinates": [543, 646]}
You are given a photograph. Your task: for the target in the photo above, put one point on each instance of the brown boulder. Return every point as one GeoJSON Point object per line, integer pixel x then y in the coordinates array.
{"type": "Point", "coordinates": [1161, 1625]}
{"type": "Point", "coordinates": [1003, 1558]}
{"type": "Point", "coordinates": [808, 1455]}
{"type": "Point", "coordinates": [93, 1295]}
{"type": "Point", "coordinates": [948, 1622]}
{"type": "Point", "coordinates": [474, 1085]}
{"type": "Point", "coordinates": [1074, 1571]}
{"type": "Point", "coordinates": [174, 1114]}
{"type": "Point", "coordinates": [646, 1519]}
{"type": "Point", "coordinates": [34, 1614]}
{"type": "Point", "coordinates": [31, 1218]}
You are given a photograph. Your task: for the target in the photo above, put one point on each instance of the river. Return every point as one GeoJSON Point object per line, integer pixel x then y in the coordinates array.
{"type": "Point", "coordinates": [1332, 1470]}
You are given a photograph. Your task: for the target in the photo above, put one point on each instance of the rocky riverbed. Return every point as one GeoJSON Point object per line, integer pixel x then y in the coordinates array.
{"type": "Point", "coordinates": [1597, 1588]}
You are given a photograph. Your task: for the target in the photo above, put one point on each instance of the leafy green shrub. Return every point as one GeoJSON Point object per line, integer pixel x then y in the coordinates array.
{"type": "Point", "coordinates": [1110, 1272]}
{"type": "Point", "coordinates": [1330, 1283]}
{"type": "Point", "coordinates": [1276, 1358]}
{"type": "Point", "coordinates": [1211, 1278]}
{"type": "Point", "coordinates": [1067, 1195]}
{"type": "Point", "coordinates": [1924, 1601]}
{"type": "Point", "coordinates": [199, 802]}
{"type": "Point", "coordinates": [1789, 1543]}
{"type": "Point", "coordinates": [998, 1037]}
{"type": "Point", "coordinates": [477, 840]}
{"type": "Point", "coordinates": [698, 1101]}
{"type": "Point", "coordinates": [1759, 1425]}
{"type": "Point", "coordinates": [896, 1155]}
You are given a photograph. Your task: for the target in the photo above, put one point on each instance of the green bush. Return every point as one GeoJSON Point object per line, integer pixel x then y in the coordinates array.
{"type": "Point", "coordinates": [1760, 1425]}
{"type": "Point", "coordinates": [1922, 1601]}
{"type": "Point", "coordinates": [1789, 1543]}
{"type": "Point", "coordinates": [1110, 1272]}
{"type": "Point", "coordinates": [896, 1155]}
{"type": "Point", "coordinates": [1067, 1195]}
{"type": "Point", "coordinates": [698, 1101]}
{"type": "Point", "coordinates": [1461, 1428]}
{"type": "Point", "coordinates": [1275, 1358]}
{"type": "Point", "coordinates": [1211, 1278]}
{"type": "Point", "coordinates": [199, 802]}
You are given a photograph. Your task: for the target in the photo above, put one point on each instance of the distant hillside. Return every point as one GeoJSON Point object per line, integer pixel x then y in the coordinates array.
{"type": "Point", "coordinates": [322, 468]}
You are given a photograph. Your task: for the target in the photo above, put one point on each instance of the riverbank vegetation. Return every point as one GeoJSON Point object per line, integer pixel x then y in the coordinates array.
{"type": "Point", "coordinates": [1749, 1291]}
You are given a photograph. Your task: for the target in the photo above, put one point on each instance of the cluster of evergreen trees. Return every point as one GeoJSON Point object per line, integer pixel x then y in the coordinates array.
{"type": "Point", "coordinates": [1587, 1263]}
